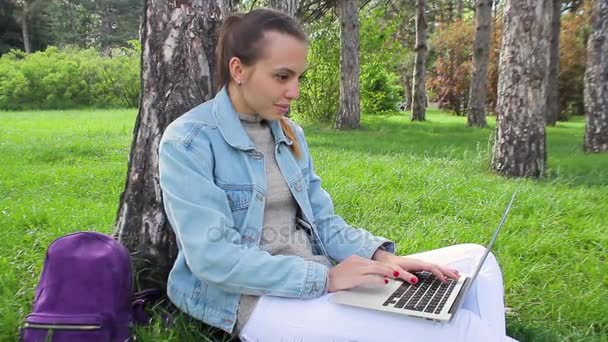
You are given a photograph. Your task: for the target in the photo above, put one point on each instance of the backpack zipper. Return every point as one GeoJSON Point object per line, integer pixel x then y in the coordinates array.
{"type": "Point", "coordinates": [61, 326]}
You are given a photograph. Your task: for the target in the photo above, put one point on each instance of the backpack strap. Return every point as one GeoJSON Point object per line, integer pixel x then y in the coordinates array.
{"type": "Point", "coordinates": [138, 305]}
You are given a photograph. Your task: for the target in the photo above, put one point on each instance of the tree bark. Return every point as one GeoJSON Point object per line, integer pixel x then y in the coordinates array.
{"type": "Point", "coordinates": [408, 89]}
{"type": "Point", "coordinates": [349, 114]}
{"type": "Point", "coordinates": [24, 19]}
{"type": "Point", "coordinates": [25, 30]}
{"type": "Point", "coordinates": [519, 148]}
{"type": "Point", "coordinates": [596, 81]}
{"type": "Point", "coordinates": [288, 6]}
{"type": "Point", "coordinates": [106, 30]}
{"type": "Point", "coordinates": [418, 88]}
{"type": "Point", "coordinates": [553, 79]}
{"type": "Point", "coordinates": [481, 57]}
{"type": "Point", "coordinates": [178, 42]}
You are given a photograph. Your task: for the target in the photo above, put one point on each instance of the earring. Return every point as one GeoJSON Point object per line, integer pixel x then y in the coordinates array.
{"type": "Point", "coordinates": [239, 82]}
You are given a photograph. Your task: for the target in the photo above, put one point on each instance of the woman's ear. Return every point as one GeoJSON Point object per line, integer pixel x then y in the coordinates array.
{"type": "Point", "coordinates": [236, 70]}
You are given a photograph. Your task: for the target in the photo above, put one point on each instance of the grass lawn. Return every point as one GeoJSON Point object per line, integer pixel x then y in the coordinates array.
{"type": "Point", "coordinates": [424, 185]}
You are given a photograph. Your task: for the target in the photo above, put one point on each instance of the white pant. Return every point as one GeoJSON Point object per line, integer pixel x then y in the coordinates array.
{"type": "Point", "coordinates": [480, 318]}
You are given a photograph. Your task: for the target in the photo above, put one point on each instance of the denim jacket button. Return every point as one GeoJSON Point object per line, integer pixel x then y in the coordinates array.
{"type": "Point", "coordinates": [259, 197]}
{"type": "Point", "coordinates": [298, 187]}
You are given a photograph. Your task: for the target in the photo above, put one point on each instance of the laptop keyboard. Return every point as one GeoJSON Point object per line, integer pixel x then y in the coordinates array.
{"type": "Point", "coordinates": [428, 295]}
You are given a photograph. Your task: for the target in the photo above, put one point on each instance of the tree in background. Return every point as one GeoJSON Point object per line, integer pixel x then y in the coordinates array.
{"type": "Point", "coordinates": [575, 28]}
{"type": "Point", "coordinates": [596, 81]}
{"type": "Point", "coordinates": [288, 6]}
{"type": "Point", "coordinates": [31, 16]}
{"type": "Point", "coordinates": [481, 57]}
{"type": "Point", "coordinates": [25, 8]}
{"type": "Point", "coordinates": [418, 89]}
{"type": "Point", "coordinates": [519, 147]}
{"type": "Point", "coordinates": [402, 13]}
{"type": "Point", "coordinates": [10, 31]}
{"type": "Point", "coordinates": [495, 43]}
{"type": "Point", "coordinates": [382, 57]}
{"type": "Point", "coordinates": [320, 89]}
{"type": "Point", "coordinates": [349, 112]}
{"type": "Point", "coordinates": [174, 80]}
{"type": "Point", "coordinates": [102, 24]}
{"type": "Point", "coordinates": [448, 80]}
{"type": "Point", "coordinates": [553, 79]}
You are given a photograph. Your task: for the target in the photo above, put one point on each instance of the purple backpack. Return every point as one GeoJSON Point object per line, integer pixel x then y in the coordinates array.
{"type": "Point", "coordinates": [85, 292]}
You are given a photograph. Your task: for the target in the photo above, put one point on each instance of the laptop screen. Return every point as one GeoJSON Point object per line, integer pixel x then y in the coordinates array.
{"type": "Point", "coordinates": [489, 247]}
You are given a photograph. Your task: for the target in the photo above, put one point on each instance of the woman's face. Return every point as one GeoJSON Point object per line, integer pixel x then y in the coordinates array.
{"type": "Point", "coordinates": [270, 85]}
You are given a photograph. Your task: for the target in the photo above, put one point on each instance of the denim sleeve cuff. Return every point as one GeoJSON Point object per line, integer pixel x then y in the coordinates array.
{"type": "Point", "coordinates": [316, 280]}
{"type": "Point", "coordinates": [379, 242]}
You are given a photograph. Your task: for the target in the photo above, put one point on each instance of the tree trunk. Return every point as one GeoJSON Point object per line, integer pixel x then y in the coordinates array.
{"type": "Point", "coordinates": [519, 148]}
{"type": "Point", "coordinates": [25, 26]}
{"type": "Point", "coordinates": [178, 42]}
{"type": "Point", "coordinates": [349, 114]}
{"type": "Point", "coordinates": [481, 57]}
{"type": "Point", "coordinates": [106, 29]}
{"type": "Point", "coordinates": [25, 29]}
{"type": "Point", "coordinates": [596, 81]}
{"type": "Point", "coordinates": [419, 100]}
{"type": "Point", "coordinates": [288, 6]}
{"type": "Point", "coordinates": [408, 90]}
{"type": "Point", "coordinates": [553, 79]}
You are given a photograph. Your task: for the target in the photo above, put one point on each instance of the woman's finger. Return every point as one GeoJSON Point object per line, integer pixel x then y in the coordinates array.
{"type": "Point", "coordinates": [437, 272]}
{"type": "Point", "coordinates": [451, 273]}
{"type": "Point", "coordinates": [406, 276]}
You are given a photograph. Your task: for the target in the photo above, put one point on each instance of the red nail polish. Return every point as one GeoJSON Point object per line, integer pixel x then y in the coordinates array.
{"type": "Point", "coordinates": [385, 281]}
{"type": "Point", "coordinates": [413, 280]}
{"type": "Point", "coordinates": [396, 274]}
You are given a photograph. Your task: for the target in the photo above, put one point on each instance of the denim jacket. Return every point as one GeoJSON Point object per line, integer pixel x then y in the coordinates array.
{"type": "Point", "coordinates": [213, 184]}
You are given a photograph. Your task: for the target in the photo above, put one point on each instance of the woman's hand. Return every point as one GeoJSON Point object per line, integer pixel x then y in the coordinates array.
{"type": "Point", "coordinates": [356, 271]}
{"type": "Point", "coordinates": [404, 265]}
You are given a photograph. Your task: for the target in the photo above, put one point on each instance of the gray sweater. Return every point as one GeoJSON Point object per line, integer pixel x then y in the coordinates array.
{"type": "Point", "coordinates": [279, 233]}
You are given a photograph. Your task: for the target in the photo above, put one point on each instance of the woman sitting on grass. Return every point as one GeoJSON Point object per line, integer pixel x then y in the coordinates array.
{"type": "Point", "coordinates": [256, 232]}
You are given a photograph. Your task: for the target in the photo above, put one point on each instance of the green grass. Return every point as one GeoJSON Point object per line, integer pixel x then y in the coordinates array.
{"type": "Point", "coordinates": [424, 185]}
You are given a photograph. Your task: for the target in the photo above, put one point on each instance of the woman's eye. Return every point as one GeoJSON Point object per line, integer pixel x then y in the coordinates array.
{"type": "Point", "coordinates": [282, 77]}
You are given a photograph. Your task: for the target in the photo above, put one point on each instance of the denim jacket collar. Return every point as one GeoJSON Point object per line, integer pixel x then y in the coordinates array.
{"type": "Point", "coordinates": [231, 128]}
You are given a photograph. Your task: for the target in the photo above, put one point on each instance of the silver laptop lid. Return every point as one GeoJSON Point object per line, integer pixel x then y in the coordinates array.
{"type": "Point", "coordinates": [489, 247]}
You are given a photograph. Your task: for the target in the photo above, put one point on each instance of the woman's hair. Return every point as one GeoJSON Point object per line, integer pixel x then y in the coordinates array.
{"type": "Point", "coordinates": [242, 36]}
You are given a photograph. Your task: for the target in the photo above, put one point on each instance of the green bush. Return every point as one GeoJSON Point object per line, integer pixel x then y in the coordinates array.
{"type": "Point", "coordinates": [380, 91]}
{"type": "Point", "coordinates": [320, 89]}
{"type": "Point", "coordinates": [380, 56]}
{"type": "Point", "coordinates": [70, 78]}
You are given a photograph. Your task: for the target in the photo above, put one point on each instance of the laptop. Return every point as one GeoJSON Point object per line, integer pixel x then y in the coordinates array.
{"type": "Point", "coordinates": [429, 298]}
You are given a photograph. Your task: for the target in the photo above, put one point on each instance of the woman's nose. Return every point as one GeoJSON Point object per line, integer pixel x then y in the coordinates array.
{"type": "Point", "coordinates": [293, 92]}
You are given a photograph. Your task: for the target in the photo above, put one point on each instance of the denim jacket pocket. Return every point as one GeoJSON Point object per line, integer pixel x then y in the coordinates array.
{"type": "Point", "coordinates": [239, 198]}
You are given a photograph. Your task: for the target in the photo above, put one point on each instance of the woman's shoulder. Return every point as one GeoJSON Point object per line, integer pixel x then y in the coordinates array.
{"type": "Point", "coordinates": [190, 124]}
